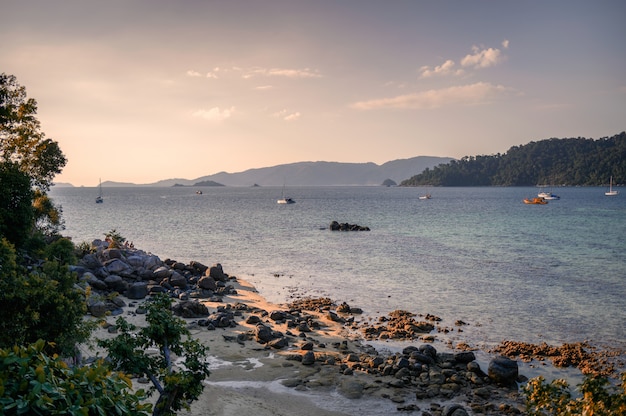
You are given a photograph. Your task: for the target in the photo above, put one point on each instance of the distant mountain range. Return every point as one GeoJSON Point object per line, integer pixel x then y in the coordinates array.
{"type": "Point", "coordinates": [309, 174]}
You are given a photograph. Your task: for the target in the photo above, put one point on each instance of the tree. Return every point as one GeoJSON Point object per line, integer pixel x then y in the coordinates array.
{"type": "Point", "coordinates": [16, 211]}
{"type": "Point", "coordinates": [42, 303]}
{"type": "Point", "coordinates": [35, 383]}
{"type": "Point", "coordinates": [176, 386]}
{"type": "Point", "coordinates": [21, 140]}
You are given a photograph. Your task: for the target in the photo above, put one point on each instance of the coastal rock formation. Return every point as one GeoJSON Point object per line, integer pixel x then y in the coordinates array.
{"type": "Point", "coordinates": [137, 274]}
{"type": "Point", "coordinates": [296, 332]}
{"type": "Point", "coordinates": [336, 226]}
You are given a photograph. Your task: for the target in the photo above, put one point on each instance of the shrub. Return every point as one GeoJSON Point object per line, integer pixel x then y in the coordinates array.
{"type": "Point", "coordinates": [32, 382]}
{"type": "Point", "coordinates": [598, 398]}
{"type": "Point", "coordinates": [43, 303]}
{"type": "Point", "coordinates": [177, 387]}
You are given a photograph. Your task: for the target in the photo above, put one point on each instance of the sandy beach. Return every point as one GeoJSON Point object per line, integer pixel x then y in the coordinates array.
{"type": "Point", "coordinates": [253, 378]}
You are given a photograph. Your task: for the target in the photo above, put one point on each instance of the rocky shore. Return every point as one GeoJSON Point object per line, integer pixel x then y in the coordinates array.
{"type": "Point", "coordinates": [309, 346]}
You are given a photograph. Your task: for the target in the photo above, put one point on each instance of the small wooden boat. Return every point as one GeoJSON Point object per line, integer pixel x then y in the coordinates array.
{"type": "Point", "coordinates": [536, 201]}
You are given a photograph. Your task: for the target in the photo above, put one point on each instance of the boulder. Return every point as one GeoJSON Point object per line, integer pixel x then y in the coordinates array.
{"type": "Point", "coordinates": [93, 281]}
{"type": "Point", "coordinates": [263, 334]}
{"type": "Point", "coordinates": [308, 358]}
{"type": "Point", "coordinates": [117, 266]}
{"type": "Point", "coordinates": [503, 371]}
{"type": "Point", "coordinates": [464, 357]}
{"type": "Point", "coordinates": [138, 290]}
{"type": "Point", "coordinates": [178, 280]}
{"type": "Point", "coordinates": [190, 309]}
{"type": "Point", "coordinates": [90, 261]}
{"type": "Point", "coordinates": [97, 308]}
{"type": "Point", "coordinates": [208, 283]}
{"type": "Point", "coordinates": [161, 272]}
{"type": "Point", "coordinates": [115, 282]}
{"type": "Point", "coordinates": [217, 273]}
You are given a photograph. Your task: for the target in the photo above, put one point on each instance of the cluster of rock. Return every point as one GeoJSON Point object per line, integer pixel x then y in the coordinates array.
{"type": "Point", "coordinates": [344, 226]}
{"type": "Point", "coordinates": [353, 368]}
{"type": "Point", "coordinates": [580, 355]}
{"type": "Point", "coordinates": [357, 370]}
{"type": "Point", "coordinates": [137, 274]}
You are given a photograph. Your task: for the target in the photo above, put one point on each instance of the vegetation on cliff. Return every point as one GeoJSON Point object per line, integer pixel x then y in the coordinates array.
{"type": "Point", "coordinates": [572, 162]}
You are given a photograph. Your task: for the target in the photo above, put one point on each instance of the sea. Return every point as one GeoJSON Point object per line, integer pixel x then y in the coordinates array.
{"type": "Point", "coordinates": [552, 273]}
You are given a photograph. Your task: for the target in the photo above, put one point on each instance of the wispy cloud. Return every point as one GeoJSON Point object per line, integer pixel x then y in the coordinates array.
{"type": "Point", "coordinates": [478, 59]}
{"type": "Point", "coordinates": [196, 74]}
{"type": "Point", "coordinates": [447, 68]}
{"type": "Point", "coordinates": [286, 115]}
{"type": "Point", "coordinates": [472, 94]}
{"type": "Point", "coordinates": [263, 87]}
{"type": "Point", "coordinates": [215, 114]}
{"type": "Point", "coordinates": [248, 73]}
{"type": "Point", "coordinates": [282, 72]}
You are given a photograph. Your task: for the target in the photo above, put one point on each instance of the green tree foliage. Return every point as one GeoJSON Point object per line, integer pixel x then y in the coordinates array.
{"type": "Point", "coordinates": [38, 294]}
{"type": "Point", "coordinates": [598, 398]}
{"type": "Point", "coordinates": [16, 211]}
{"type": "Point", "coordinates": [34, 383]}
{"type": "Point", "coordinates": [21, 140]}
{"type": "Point", "coordinates": [176, 386]}
{"type": "Point", "coordinates": [41, 303]}
{"type": "Point", "coordinates": [574, 162]}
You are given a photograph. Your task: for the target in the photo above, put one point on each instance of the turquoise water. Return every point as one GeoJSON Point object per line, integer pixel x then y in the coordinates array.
{"type": "Point", "coordinates": [554, 273]}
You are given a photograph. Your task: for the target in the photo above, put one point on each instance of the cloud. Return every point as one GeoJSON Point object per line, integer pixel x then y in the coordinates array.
{"type": "Point", "coordinates": [505, 44]}
{"type": "Point", "coordinates": [472, 94]}
{"type": "Point", "coordinates": [283, 72]}
{"type": "Point", "coordinates": [483, 58]}
{"type": "Point", "coordinates": [263, 87]}
{"type": "Point", "coordinates": [193, 73]}
{"type": "Point", "coordinates": [286, 115]}
{"type": "Point", "coordinates": [447, 68]}
{"type": "Point", "coordinates": [215, 114]}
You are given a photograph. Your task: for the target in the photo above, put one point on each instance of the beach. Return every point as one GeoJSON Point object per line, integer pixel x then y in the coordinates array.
{"type": "Point", "coordinates": [315, 356]}
{"type": "Point", "coordinates": [249, 377]}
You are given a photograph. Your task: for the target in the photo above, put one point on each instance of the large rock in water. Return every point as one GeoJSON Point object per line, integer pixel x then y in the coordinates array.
{"type": "Point", "coordinates": [503, 371]}
{"type": "Point", "coordinates": [335, 226]}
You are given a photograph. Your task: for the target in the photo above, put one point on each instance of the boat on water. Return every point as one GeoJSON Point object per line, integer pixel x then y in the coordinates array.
{"type": "Point", "coordinates": [548, 195]}
{"type": "Point", "coordinates": [285, 200]}
{"type": "Point", "coordinates": [99, 198]}
{"type": "Point", "coordinates": [611, 192]}
{"type": "Point", "coordinates": [535, 201]}
{"type": "Point", "coordinates": [426, 196]}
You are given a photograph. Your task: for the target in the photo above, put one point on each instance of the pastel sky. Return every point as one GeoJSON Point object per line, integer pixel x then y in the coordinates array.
{"type": "Point", "coordinates": [143, 90]}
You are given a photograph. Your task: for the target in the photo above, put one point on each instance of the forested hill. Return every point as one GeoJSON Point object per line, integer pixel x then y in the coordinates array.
{"type": "Point", "coordinates": [572, 162]}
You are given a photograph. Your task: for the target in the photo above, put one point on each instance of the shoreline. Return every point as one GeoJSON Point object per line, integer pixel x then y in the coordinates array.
{"type": "Point", "coordinates": [322, 362]}
{"type": "Point", "coordinates": [248, 377]}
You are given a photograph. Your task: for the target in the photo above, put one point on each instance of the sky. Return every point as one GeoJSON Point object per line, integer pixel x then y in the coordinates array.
{"type": "Point", "coordinates": [144, 90]}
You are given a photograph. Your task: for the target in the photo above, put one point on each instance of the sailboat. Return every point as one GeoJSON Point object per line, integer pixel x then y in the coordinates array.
{"type": "Point", "coordinates": [99, 198]}
{"type": "Point", "coordinates": [285, 200]}
{"type": "Point", "coordinates": [611, 192]}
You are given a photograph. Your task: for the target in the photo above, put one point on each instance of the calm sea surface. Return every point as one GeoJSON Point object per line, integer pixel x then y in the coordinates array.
{"type": "Point", "coordinates": [553, 273]}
